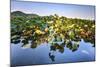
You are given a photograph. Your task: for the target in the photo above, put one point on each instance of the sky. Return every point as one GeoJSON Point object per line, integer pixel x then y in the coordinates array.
{"type": "Point", "coordinates": [44, 9]}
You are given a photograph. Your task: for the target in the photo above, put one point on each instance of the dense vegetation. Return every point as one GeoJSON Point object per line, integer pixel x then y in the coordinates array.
{"type": "Point", "coordinates": [58, 31]}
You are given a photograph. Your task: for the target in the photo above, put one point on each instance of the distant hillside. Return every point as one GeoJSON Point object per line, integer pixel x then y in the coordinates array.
{"type": "Point", "coordinates": [19, 13]}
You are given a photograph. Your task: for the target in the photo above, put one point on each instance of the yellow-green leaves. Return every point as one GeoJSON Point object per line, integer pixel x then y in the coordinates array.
{"type": "Point", "coordinates": [52, 29]}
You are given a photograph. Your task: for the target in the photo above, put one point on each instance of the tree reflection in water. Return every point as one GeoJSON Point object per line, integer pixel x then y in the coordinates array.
{"type": "Point", "coordinates": [51, 56]}
{"type": "Point", "coordinates": [58, 31]}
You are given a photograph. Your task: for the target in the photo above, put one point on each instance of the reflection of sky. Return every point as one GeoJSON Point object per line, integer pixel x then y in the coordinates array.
{"type": "Point", "coordinates": [69, 10]}
{"type": "Point", "coordinates": [40, 55]}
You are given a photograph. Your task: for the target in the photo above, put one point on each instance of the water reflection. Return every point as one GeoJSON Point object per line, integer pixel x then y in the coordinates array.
{"type": "Point", "coordinates": [56, 43]}
{"type": "Point", "coordinates": [44, 54]}
{"type": "Point", "coordinates": [51, 56]}
{"type": "Point", "coordinates": [58, 36]}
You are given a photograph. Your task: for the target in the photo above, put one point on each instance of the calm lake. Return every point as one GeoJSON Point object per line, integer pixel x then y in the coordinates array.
{"type": "Point", "coordinates": [42, 54]}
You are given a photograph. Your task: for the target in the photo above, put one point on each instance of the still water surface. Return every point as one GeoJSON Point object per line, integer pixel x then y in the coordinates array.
{"type": "Point", "coordinates": [40, 55]}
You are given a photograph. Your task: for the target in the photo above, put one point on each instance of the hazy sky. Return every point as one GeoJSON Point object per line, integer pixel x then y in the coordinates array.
{"type": "Point", "coordinates": [68, 10]}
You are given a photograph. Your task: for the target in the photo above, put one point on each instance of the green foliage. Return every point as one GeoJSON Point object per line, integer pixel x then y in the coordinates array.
{"type": "Point", "coordinates": [58, 31]}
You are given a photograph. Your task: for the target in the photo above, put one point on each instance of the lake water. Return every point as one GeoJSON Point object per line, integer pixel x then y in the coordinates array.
{"type": "Point", "coordinates": [40, 55]}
